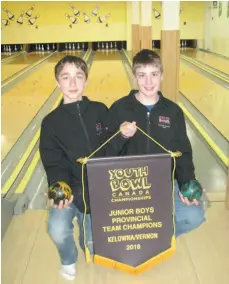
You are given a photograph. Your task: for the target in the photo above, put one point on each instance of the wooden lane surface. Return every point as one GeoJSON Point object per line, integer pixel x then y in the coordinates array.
{"type": "Point", "coordinates": [107, 80]}
{"type": "Point", "coordinates": [21, 103]}
{"type": "Point", "coordinates": [18, 63]}
{"type": "Point", "coordinates": [210, 98]}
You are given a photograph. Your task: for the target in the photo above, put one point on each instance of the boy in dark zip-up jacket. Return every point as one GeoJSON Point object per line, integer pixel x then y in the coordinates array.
{"type": "Point", "coordinates": [164, 121]}
{"type": "Point", "coordinates": [74, 129]}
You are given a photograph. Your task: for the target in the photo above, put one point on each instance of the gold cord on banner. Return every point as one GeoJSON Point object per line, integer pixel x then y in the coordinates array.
{"type": "Point", "coordinates": [84, 160]}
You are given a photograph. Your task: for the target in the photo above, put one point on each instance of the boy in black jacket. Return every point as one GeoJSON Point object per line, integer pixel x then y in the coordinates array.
{"type": "Point", "coordinates": [74, 129]}
{"type": "Point", "coordinates": [164, 121]}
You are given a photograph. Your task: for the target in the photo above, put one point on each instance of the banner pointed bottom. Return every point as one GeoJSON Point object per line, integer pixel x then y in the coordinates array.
{"type": "Point", "coordinates": [110, 263]}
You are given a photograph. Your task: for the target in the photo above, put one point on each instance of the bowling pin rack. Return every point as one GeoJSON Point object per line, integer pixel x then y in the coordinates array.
{"type": "Point", "coordinates": [109, 45]}
{"type": "Point", "coordinates": [184, 43]}
{"type": "Point", "coordinates": [99, 45]}
{"type": "Point", "coordinates": [73, 46]}
{"type": "Point", "coordinates": [11, 48]}
{"type": "Point", "coordinates": [51, 47]}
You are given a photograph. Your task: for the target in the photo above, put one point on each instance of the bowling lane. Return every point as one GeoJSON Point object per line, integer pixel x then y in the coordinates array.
{"type": "Point", "coordinates": [22, 102]}
{"type": "Point", "coordinates": [18, 63]}
{"type": "Point", "coordinates": [210, 59]}
{"type": "Point", "coordinates": [210, 98]}
{"type": "Point", "coordinates": [107, 80]}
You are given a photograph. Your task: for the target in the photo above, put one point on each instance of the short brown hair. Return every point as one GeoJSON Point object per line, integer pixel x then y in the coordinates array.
{"type": "Point", "coordinates": [77, 61]}
{"type": "Point", "coordinates": [146, 57]}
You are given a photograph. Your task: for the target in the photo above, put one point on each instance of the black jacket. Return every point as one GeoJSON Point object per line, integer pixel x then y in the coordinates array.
{"type": "Point", "coordinates": [71, 131]}
{"type": "Point", "coordinates": [165, 123]}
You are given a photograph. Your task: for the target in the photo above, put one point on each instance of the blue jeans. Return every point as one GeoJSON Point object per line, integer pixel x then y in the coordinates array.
{"type": "Point", "coordinates": [187, 218]}
{"type": "Point", "coordinates": [60, 229]}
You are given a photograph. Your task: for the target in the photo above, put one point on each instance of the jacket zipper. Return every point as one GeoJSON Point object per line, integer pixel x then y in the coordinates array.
{"type": "Point", "coordinates": [148, 131]}
{"type": "Point", "coordinates": [84, 128]}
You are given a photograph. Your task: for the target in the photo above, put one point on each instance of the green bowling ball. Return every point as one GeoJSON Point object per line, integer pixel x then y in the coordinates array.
{"type": "Point", "coordinates": [59, 191]}
{"type": "Point", "coordinates": [192, 190]}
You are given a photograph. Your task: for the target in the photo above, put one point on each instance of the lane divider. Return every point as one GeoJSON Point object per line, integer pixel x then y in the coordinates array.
{"type": "Point", "coordinates": [206, 137]}
{"type": "Point", "coordinates": [27, 153]}
{"type": "Point", "coordinates": [8, 58]}
{"type": "Point", "coordinates": [220, 72]}
{"type": "Point", "coordinates": [14, 77]}
{"type": "Point", "coordinates": [31, 168]}
{"type": "Point", "coordinates": [201, 130]}
{"type": "Point", "coordinates": [207, 69]}
{"type": "Point", "coordinates": [212, 69]}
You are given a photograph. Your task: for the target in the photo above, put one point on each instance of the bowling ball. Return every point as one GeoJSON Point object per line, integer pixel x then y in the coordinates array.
{"type": "Point", "coordinates": [59, 191]}
{"type": "Point", "coordinates": [192, 190]}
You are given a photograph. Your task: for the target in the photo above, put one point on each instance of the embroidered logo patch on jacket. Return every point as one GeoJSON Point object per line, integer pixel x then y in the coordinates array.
{"type": "Point", "coordinates": [164, 122]}
{"type": "Point", "coordinates": [99, 129]}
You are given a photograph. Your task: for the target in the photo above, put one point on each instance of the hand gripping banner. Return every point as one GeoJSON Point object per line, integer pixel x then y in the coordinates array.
{"type": "Point", "coordinates": [132, 210]}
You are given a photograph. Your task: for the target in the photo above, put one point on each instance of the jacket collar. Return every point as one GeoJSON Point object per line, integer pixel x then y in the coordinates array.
{"type": "Point", "coordinates": [162, 102]}
{"type": "Point", "coordinates": [72, 108]}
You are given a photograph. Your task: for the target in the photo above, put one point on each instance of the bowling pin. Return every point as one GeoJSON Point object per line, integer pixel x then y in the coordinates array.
{"type": "Point", "coordinates": [157, 15]}
{"type": "Point", "coordinates": [20, 19]}
{"type": "Point", "coordinates": [75, 11]}
{"type": "Point", "coordinates": [48, 47]}
{"type": "Point", "coordinates": [102, 19]}
{"type": "Point", "coordinates": [83, 45]}
{"type": "Point", "coordinates": [15, 48]}
{"type": "Point", "coordinates": [71, 18]}
{"type": "Point", "coordinates": [30, 11]}
{"type": "Point", "coordinates": [33, 20]}
{"type": "Point", "coordinates": [86, 18]}
{"type": "Point", "coordinates": [5, 22]}
{"type": "Point", "coordinates": [9, 14]}
{"type": "Point", "coordinates": [95, 11]}
{"type": "Point", "coordinates": [53, 46]}
{"type": "Point", "coordinates": [78, 46]}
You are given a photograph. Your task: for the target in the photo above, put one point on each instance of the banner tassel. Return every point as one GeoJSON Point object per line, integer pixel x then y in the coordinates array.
{"type": "Point", "coordinates": [88, 255]}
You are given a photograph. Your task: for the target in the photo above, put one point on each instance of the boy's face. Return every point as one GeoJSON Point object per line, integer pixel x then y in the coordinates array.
{"type": "Point", "coordinates": [149, 79]}
{"type": "Point", "coordinates": [71, 81]}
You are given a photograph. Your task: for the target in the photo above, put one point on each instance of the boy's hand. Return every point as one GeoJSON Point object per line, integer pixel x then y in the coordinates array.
{"type": "Point", "coordinates": [63, 203]}
{"type": "Point", "coordinates": [128, 129]}
{"type": "Point", "coordinates": [187, 202]}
